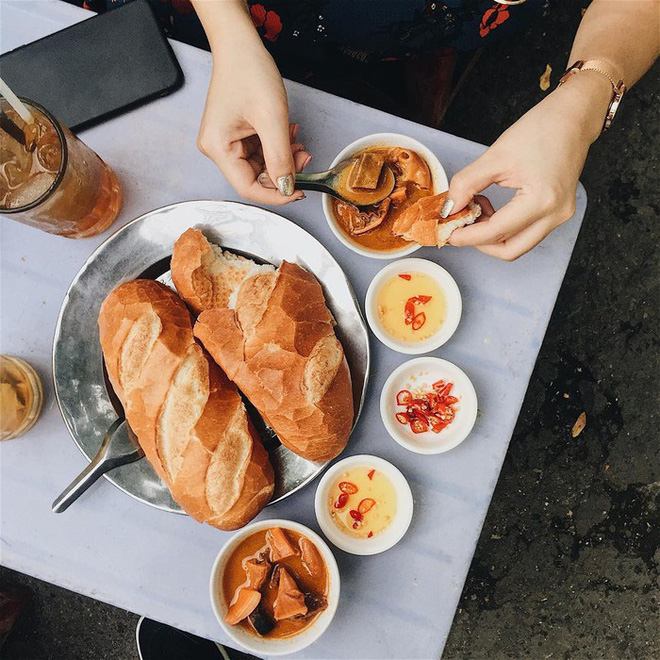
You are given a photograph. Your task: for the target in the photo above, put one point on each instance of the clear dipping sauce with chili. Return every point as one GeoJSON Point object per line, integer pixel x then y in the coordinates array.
{"type": "Point", "coordinates": [362, 502]}
{"type": "Point", "coordinates": [275, 583]}
{"type": "Point", "coordinates": [410, 307]}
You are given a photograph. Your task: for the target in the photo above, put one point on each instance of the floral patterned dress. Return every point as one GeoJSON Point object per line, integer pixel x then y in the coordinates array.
{"type": "Point", "coordinates": [365, 30]}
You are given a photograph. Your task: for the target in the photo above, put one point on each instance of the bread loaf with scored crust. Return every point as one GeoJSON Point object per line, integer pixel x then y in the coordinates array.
{"type": "Point", "coordinates": [273, 334]}
{"type": "Point", "coordinates": [189, 418]}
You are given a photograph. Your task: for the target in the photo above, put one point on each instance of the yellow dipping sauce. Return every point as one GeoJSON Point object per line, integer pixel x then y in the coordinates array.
{"type": "Point", "coordinates": [362, 502]}
{"type": "Point", "coordinates": [391, 300]}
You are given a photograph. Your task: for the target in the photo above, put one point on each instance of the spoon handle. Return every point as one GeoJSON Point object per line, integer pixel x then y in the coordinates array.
{"type": "Point", "coordinates": [99, 465]}
{"type": "Point", "coordinates": [119, 447]}
{"type": "Point", "coordinates": [318, 181]}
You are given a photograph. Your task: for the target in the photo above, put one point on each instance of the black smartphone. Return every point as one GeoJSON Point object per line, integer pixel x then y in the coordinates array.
{"type": "Point", "coordinates": [96, 69]}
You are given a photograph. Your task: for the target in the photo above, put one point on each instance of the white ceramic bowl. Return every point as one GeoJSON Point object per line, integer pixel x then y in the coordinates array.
{"type": "Point", "coordinates": [389, 536]}
{"type": "Point", "coordinates": [270, 647]}
{"type": "Point", "coordinates": [440, 184]}
{"type": "Point", "coordinates": [417, 373]}
{"type": "Point", "coordinates": [453, 302]}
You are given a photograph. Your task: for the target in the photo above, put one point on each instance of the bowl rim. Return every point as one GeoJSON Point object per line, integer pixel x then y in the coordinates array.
{"type": "Point", "coordinates": [403, 518]}
{"type": "Point", "coordinates": [287, 645]}
{"type": "Point", "coordinates": [386, 139]}
{"type": "Point", "coordinates": [450, 289]}
{"type": "Point", "coordinates": [386, 408]}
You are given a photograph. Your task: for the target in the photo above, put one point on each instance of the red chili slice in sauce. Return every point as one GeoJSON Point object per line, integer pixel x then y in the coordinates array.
{"type": "Point", "coordinates": [402, 418]}
{"type": "Point", "coordinates": [422, 300]}
{"type": "Point", "coordinates": [419, 321]}
{"type": "Point", "coordinates": [341, 501]}
{"type": "Point", "coordinates": [436, 423]}
{"type": "Point", "coordinates": [409, 316]}
{"type": "Point", "coordinates": [409, 312]}
{"type": "Point", "coordinates": [366, 505]}
{"type": "Point", "coordinates": [370, 534]}
{"type": "Point", "coordinates": [371, 473]}
{"type": "Point", "coordinates": [424, 410]}
{"type": "Point", "coordinates": [348, 487]}
{"type": "Point", "coordinates": [356, 515]}
{"type": "Point", "coordinates": [445, 390]}
{"type": "Point", "coordinates": [419, 426]}
{"type": "Point", "coordinates": [405, 276]}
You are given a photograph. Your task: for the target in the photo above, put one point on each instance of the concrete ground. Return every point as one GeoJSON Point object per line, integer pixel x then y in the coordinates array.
{"type": "Point", "coordinates": [567, 563]}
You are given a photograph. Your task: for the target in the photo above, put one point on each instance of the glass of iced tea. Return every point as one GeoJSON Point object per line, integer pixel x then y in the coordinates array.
{"type": "Point", "coordinates": [50, 180]}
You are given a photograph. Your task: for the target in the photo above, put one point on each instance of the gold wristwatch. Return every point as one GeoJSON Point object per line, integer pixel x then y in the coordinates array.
{"type": "Point", "coordinates": [618, 88]}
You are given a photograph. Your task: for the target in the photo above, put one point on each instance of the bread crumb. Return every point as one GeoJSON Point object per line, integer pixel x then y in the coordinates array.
{"type": "Point", "coordinates": [544, 80]}
{"type": "Point", "coordinates": [579, 425]}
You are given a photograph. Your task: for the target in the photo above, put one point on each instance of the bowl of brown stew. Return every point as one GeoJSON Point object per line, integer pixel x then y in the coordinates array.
{"type": "Point", "coordinates": [417, 172]}
{"type": "Point", "coordinates": [275, 587]}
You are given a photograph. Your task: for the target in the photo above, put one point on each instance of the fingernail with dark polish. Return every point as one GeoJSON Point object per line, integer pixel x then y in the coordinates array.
{"type": "Point", "coordinates": [447, 208]}
{"type": "Point", "coordinates": [285, 185]}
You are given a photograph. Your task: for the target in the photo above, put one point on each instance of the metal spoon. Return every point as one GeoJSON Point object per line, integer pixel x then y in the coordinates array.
{"type": "Point", "coordinates": [119, 447]}
{"type": "Point", "coordinates": [330, 182]}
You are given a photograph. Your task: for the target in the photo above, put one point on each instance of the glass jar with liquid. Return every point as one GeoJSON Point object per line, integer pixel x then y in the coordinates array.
{"type": "Point", "coordinates": [21, 397]}
{"type": "Point", "coordinates": [51, 180]}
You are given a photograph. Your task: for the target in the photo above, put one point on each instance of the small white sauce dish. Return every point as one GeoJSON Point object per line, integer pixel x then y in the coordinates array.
{"type": "Point", "coordinates": [382, 541]}
{"type": "Point", "coordinates": [421, 373]}
{"type": "Point", "coordinates": [272, 647]}
{"type": "Point", "coordinates": [453, 305]}
{"type": "Point", "coordinates": [438, 174]}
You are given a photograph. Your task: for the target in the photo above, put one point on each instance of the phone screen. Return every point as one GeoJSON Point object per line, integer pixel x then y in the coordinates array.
{"type": "Point", "coordinates": [97, 68]}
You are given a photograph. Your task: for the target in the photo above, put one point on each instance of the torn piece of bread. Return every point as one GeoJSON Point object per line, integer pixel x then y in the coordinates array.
{"type": "Point", "coordinates": [205, 276]}
{"type": "Point", "coordinates": [277, 344]}
{"type": "Point", "coordinates": [188, 417]}
{"type": "Point", "coordinates": [421, 221]}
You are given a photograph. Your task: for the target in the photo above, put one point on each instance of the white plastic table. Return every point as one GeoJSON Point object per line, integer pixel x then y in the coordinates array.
{"type": "Point", "coordinates": [399, 604]}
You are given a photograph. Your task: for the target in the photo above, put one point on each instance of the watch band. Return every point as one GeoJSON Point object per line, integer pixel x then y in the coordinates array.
{"type": "Point", "coordinates": [618, 87]}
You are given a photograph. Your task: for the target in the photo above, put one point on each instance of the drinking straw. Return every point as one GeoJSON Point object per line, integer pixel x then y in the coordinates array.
{"type": "Point", "coordinates": [16, 103]}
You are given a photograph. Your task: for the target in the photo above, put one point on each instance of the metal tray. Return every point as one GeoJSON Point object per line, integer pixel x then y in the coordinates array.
{"type": "Point", "coordinates": [143, 248]}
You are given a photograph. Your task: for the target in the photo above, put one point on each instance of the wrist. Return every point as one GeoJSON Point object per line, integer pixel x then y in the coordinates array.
{"type": "Point", "coordinates": [586, 97]}
{"type": "Point", "coordinates": [227, 23]}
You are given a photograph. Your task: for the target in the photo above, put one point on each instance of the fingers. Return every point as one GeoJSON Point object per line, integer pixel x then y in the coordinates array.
{"type": "Point", "coordinates": [486, 207]}
{"type": "Point", "coordinates": [275, 136]}
{"type": "Point", "coordinates": [301, 159]}
{"type": "Point", "coordinates": [235, 164]}
{"type": "Point", "coordinates": [521, 243]}
{"type": "Point", "coordinates": [512, 218]}
{"type": "Point", "coordinates": [465, 184]}
{"type": "Point", "coordinates": [243, 157]}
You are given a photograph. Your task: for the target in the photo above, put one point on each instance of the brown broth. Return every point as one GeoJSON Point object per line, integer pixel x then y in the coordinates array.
{"type": "Point", "coordinates": [234, 576]}
{"type": "Point", "coordinates": [382, 238]}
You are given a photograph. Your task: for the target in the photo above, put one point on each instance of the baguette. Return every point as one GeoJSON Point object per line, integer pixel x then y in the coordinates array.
{"type": "Point", "coordinates": [274, 337]}
{"type": "Point", "coordinates": [421, 221]}
{"type": "Point", "coordinates": [188, 417]}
